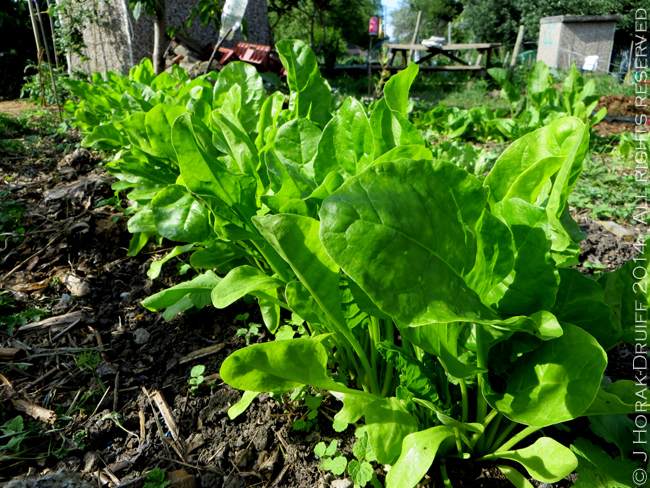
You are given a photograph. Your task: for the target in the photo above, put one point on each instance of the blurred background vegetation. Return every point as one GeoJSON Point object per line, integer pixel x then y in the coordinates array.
{"type": "Point", "coordinates": [335, 28]}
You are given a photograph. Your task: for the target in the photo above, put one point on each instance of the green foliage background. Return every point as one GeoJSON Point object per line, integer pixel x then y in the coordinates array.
{"type": "Point", "coordinates": [499, 20]}
{"type": "Point", "coordinates": [345, 20]}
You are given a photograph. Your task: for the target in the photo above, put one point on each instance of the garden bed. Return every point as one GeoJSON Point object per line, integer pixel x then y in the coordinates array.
{"type": "Point", "coordinates": [73, 242]}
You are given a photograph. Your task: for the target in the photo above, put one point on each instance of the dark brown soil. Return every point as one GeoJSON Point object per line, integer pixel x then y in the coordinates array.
{"type": "Point", "coordinates": [621, 106]}
{"type": "Point", "coordinates": [602, 247]}
{"type": "Point", "coordinates": [68, 234]}
{"type": "Point", "coordinates": [606, 128]}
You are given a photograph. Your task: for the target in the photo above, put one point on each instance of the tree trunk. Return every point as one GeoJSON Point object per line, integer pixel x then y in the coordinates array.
{"type": "Point", "coordinates": [159, 41]}
{"type": "Point", "coordinates": [324, 38]}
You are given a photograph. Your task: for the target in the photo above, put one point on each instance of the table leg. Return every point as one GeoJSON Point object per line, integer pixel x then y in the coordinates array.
{"type": "Point", "coordinates": [392, 55]}
{"type": "Point", "coordinates": [454, 58]}
{"type": "Point", "coordinates": [426, 58]}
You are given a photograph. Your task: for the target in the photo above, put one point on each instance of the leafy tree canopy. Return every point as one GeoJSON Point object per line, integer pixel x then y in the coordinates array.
{"type": "Point", "coordinates": [436, 14]}
{"type": "Point", "coordinates": [499, 20]}
{"type": "Point", "coordinates": [317, 21]}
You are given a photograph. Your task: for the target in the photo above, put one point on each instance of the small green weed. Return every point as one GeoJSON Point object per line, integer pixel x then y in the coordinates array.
{"type": "Point", "coordinates": [17, 319]}
{"type": "Point", "coordinates": [360, 470]}
{"type": "Point", "coordinates": [21, 440]}
{"type": "Point", "coordinates": [76, 443]}
{"type": "Point", "coordinates": [10, 214]}
{"type": "Point", "coordinates": [249, 330]}
{"type": "Point", "coordinates": [115, 201]}
{"type": "Point", "coordinates": [291, 328]}
{"type": "Point", "coordinates": [308, 421]}
{"type": "Point", "coordinates": [156, 479]}
{"type": "Point", "coordinates": [14, 433]}
{"type": "Point", "coordinates": [89, 360]}
{"type": "Point", "coordinates": [331, 458]}
{"type": "Point", "coordinates": [12, 147]}
{"type": "Point", "coordinates": [605, 192]}
{"type": "Point", "coordinates": [117, 418]}
{"type": "Point", "coordinates": [196, 378]}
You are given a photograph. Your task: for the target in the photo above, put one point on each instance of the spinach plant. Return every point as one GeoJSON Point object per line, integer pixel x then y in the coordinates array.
{"type": "Point", "coordinates": [438, 307]}
{"type": "Point", "coordinates": [542, 104]}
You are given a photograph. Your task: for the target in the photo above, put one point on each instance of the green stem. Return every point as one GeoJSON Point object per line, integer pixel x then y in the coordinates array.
{"type": "Point", "coordinates": [388, 375]}
{"type": "Point", "coordinates": [466, 455]}
{"type": "Point", "coordinates": [494, 428]}
{"type": "Point", "coordinates": [342, 327]}
{"type": "Point", "coordinates": [481, 403]}
{"type": "Point", "coordinates": [481, 362]}
{"type": "Point", "coordinates": [489, 419]}
{"type": "Point", "coordinates": [388, 380]}
{"type": "Point", "coordinates": [477, 437]}
{"type": "Point", "coordinates": [374, 385]}
{"type": "Point", "coordinates": [517, 439]}
{"type": "Point", "coordinates": [459, 444]}
{"type": "Point", "coordinates": [408, 347]}
{"type": "Point", "coordinates": [445, 476]}
{"type": "Point", "coordinates": [254, 263]}
{"type": "Point", "coordinates": [468, 443]}
{"type": "Point", "coordinates": [465, 400]}
{"type": "Point", "coordinates": [268, 257]}
{"type": "Point", "coordinates": [502, 437]}
{"type": "Point", "coordinates": [375, 337]}
{"type": "Point", "coordinates": [351, 357]}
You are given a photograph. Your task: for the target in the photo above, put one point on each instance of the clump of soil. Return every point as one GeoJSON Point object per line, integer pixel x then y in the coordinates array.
{"type": "Point", "coordinates": [621, 106]}
{"type": "Point", "coordinates": [606, 128]}
{"type": "Point", "coordinates": [603, 248]}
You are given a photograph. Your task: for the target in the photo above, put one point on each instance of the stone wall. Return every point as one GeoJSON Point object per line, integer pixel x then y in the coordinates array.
{"type": "Point", "coordinates": [107, 40]}
{"type": "Point", "coordinates": [105, 37]}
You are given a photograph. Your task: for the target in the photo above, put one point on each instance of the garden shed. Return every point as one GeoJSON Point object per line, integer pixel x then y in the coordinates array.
{"type": "Point", "coordinates": [564, 39]}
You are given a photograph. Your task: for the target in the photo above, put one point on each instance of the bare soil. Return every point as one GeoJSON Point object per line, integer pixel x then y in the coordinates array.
{"type": "Point", "coordinates": [16, 107]}
{"type": "Point", "coordinates": [621, 106]}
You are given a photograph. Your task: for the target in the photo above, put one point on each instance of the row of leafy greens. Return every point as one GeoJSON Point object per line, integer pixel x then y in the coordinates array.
{"type": "Point", "coordinates": [441, 309]}
{"type": "Point", "coordinates": [542, 104]}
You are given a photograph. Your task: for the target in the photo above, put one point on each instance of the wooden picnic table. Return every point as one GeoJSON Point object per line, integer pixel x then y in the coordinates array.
{"type": "Point", "coordinates": [448, 51]}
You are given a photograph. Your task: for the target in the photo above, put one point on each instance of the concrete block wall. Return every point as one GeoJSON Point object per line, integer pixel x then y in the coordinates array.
{"type": "Point", "coordinates": [115, 41]}
{"type": "Point", "coordinates": [565, 39]}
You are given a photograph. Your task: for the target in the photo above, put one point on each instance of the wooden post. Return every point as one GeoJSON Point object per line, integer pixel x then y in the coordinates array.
{"type": "Point", "coordinates": [629, 64]}
{"type": "Point", "coordinates": [56, 56]}
{"type": "Point", "coordinates": [415, 35]}
{"type": "Point", "coordinates": [49, 60]}
{"type": "Point", "coordinates": [449, 33]}
{"type": "Point", "coordinates": [520, 40]}
{"type": "Point", "coordinates": [505, 61]}
{"type": "Point", "coordinates": [38, 48]}
{"type": "Point", "coordinates": [369, 67]}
